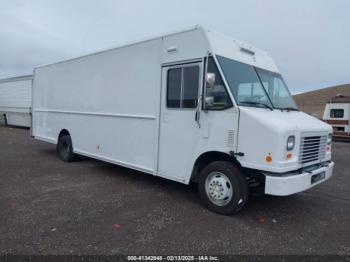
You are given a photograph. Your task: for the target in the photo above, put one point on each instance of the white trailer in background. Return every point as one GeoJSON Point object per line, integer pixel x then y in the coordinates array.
{"type": "Point", "coordinates": [188, 106]}
{"type": "Point", "coordinates": [16, 100]}
{"type": "Point", "coordinates": [337, 114]}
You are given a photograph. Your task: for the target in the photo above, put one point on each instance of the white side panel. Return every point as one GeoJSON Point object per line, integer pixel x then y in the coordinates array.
{"type": "Point", "coordinates": [18, 119]}
{"type": "Point", "coordinates": [16, 96]}
{"type": "Point", "coordinates": [218, 133]}
{"type": "Point", "coordinates": [185, 46]}
{"type": "Point", "coordinates": [108, 102]}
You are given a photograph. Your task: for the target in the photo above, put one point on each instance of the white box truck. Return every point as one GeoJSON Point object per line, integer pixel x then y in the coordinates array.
{"type": "Point", "coordinates": [187, 106]}
{"type": "Point", "coordinates": [16, 100]}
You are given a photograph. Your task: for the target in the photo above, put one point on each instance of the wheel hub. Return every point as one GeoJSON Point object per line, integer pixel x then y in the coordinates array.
{"type": "Point", "coordinates": [218, 188]}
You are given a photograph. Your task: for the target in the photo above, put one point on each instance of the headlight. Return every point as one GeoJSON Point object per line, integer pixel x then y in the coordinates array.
{"type": "Point", "coordinates": [329, 139]}
{"type": "Point", "coordinates": [290, 143]}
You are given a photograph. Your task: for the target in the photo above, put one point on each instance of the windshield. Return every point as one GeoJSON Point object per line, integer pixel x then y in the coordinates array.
{"type": "Point", "coordinates": [276, 89]}
{"type": "Point", "coordinates": [252, 86]}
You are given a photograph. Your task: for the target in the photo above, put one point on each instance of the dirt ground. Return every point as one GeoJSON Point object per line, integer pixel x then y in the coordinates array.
{"type": "Point", "coordinates": [91, 207]}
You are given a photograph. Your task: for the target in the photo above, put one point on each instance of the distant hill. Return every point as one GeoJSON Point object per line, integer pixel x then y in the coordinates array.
{"type": "Point", "coordinates": [315, 101]}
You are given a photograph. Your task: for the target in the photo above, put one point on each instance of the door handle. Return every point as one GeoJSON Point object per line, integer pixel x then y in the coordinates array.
{"type": "Point", "coordinates": [196, 117]}
{"type": "Point", "coordinates": [198, 112]}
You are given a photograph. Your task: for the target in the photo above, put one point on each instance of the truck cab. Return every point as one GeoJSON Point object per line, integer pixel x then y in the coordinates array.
{"type": "Point", "coordinates": [249, 129]}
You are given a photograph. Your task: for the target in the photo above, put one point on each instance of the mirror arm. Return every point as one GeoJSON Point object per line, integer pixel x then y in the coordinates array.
{"type": "Point", "coordinates": [205, 83]}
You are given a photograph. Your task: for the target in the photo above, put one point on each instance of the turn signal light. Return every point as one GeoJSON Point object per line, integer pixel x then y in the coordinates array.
{"type": "Point", "coordinates": [289, 156]}
{"type": "Point", "coordinates": [268, 159]}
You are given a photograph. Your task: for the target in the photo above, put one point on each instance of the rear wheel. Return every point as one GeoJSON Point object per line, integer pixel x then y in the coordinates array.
{"type": "Point", "coordinates": [65, 148]}
{"type": "Point", "coordinates": [223, 188]}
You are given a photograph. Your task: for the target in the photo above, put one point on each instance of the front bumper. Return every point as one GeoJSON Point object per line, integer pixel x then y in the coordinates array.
{"type": "Point", "coordinates": [287, 184]}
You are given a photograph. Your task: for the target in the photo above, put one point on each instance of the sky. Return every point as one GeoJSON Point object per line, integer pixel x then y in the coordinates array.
{"type": "Point", "coordinates": [308, 39]}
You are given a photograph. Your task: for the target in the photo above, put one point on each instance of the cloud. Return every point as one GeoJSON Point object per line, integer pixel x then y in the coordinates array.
{"type": "Point", "coordinates": [24, 46]}
{"type": "Point", "coordinates": [309, 40]}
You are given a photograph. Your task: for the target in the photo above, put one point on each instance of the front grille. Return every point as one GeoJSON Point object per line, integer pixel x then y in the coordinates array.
{"type": "Point", "coordinates": [312, 149]}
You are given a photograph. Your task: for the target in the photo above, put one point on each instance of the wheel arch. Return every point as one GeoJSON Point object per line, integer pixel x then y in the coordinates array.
{"type": "Point", "coordinates": [63, 132]}
{"type": "Point", "coordinates": [208, 157]}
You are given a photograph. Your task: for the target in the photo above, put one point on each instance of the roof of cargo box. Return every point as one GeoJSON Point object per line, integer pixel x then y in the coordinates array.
{"type": "Point", "coordinates": [237, 50]}
{"type": "Point", "coordinates": [217, 43]}
{"type": "Point", "coordinates": [16, 78]}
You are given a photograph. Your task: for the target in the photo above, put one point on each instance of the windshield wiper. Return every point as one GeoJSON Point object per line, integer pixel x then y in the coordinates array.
{"type": "Point", "coordinates": [257, 103]}
{"type": "Point", "coordinates": [288, 108]}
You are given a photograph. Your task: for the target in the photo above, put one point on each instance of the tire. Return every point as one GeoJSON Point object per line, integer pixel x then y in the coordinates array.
{"type": "Point", "coordinates": [223, 188]}
{"type": "Point", "coordinates": [65, 149]}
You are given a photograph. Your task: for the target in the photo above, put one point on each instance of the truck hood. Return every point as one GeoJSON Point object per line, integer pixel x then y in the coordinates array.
{"type": "Point", "coordinates": [285, 121]}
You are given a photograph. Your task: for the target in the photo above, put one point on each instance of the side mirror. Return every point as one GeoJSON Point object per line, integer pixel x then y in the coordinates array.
{"type": "Point", "coordinates": [210, 80]}
{"type": "Point", "coordinates": [209, 101]}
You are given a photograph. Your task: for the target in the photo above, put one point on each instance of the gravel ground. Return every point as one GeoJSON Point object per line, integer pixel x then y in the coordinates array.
{"type": "Point", "coordinates": [91, 207]}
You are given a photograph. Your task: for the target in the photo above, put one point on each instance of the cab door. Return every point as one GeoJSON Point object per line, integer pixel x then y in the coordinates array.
{"type": "Point", "coordinates": [179, 130]}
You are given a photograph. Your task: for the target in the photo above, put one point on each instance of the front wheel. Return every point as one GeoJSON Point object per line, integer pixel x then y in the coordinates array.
{"type": "Point", "coordinates": [223, 188]}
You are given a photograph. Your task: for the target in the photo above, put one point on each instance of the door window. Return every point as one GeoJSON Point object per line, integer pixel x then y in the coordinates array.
{"type": "Point", "coordinates": [217, 94]}
{"type": "Point", "coordinates": [174, 88]}
{"type": "Point", "coordinates": [182, 87]}
{"type": "Point", "coordinates": [191, 85]}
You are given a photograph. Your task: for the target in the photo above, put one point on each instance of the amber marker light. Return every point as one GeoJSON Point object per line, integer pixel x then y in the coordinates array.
{"type": "Point", "coordinates": [289, 156]}
{"type": "Point", "coordinates": [268, 159]}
